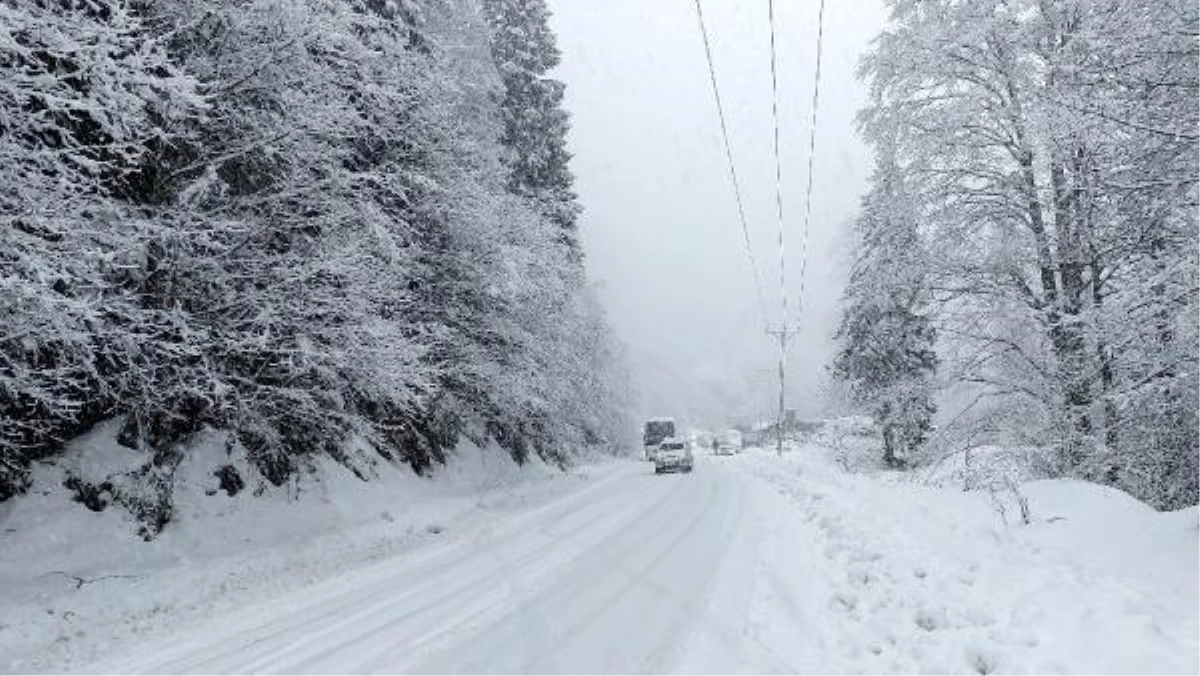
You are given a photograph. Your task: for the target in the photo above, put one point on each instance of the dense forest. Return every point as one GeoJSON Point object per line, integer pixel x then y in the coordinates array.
{"type": "Point", "coordinates": [322, 226]}
{"type": "Point", "coordinates": [1029, 240]}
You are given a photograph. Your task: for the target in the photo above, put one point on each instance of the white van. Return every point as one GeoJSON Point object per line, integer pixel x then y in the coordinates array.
{"type": "Point", "coordinates": [729, 442]}
{"type": "Point", "coordinates": [673, 454]}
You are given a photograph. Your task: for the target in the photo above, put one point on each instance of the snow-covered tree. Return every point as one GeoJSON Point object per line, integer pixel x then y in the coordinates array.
{"type": "Point", "coordinates": [1050, 151]}
{"type": "Point", "coordinates": [530, 363]}
{"type": "Point", "coordinates": [887, 339]}
{"type": "Point", "coordinates": [296, 195]}
{"type": "Point", "coordinates": [534, 122]}
{"type": "Point", "coordinates": [81, 84]}
{"type": "Point", "coordinates": [322, 225]}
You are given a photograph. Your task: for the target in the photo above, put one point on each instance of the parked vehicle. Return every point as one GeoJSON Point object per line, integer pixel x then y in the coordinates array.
{"type": "Point", "coordinates": [674, 454]}
{"type": "Point", "coordinates": [654, 432]}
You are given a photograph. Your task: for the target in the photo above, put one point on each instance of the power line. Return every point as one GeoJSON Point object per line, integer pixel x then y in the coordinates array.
{"type": "Point", "coordinates": [784, 332]}
{"type": "Point", "coordinates": [778, 166]}
{"type": "Point", "coordinates": [812, 152]}
{"type": "Point", "coordinates": [737, 191]}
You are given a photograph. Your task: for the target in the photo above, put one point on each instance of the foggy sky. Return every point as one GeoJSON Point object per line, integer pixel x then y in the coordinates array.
{"type": "Point", "coordinates": [660, 227]}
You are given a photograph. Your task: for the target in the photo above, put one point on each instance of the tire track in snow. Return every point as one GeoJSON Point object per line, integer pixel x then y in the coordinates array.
{"type": "Point", "coordinates": [300, 628]}
{"type": "Point", "coordinates": [460, 623]}
{"type": "Point", "coordinates": [613, 568]}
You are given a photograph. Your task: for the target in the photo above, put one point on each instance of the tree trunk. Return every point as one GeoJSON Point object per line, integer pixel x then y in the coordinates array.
{"type": "Point", "coordinates": [889, 444]}
{"type": "Point", "coordinates": [1068, 334]}
{"type": "Point", "coordinates": [1104, 357]}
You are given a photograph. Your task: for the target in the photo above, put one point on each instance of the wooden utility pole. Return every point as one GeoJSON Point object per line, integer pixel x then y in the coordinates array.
{"type": "Point", "coordinates": [783, 335]}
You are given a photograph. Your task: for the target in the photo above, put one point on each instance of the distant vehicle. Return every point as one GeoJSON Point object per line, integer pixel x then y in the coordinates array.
{"type": "Point", "coordinates": [729, 443]}
{"type": "Point", "coordinates": [673, 454]}
{"type": "Point", "coordinates": [654, 432]}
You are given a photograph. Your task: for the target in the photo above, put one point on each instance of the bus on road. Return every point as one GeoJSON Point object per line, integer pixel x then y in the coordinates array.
{"type": "Point", "coordinates": [654, 432]}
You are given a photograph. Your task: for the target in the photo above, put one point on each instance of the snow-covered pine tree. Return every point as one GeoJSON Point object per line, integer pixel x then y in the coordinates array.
{"type": "Point", "coordinates": [887, 339]}
{"type": "Point", "coordinates": [534, 123]}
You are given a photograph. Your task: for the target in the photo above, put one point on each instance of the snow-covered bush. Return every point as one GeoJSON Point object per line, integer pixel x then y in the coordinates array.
{"type": "Point", "coordinates": [990, 467]}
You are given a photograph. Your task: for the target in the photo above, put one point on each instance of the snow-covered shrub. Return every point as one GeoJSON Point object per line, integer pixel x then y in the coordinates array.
{"type": "Point", "coordinates": [991, 467]}
{"type": "Point", "coordinates": [854, 441]}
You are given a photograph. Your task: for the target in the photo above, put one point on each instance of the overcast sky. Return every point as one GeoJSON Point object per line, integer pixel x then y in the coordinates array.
{"type": "Point", "coordinates": [660, 226]}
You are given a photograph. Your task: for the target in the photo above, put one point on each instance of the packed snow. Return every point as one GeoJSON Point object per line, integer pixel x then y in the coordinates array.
{"type": "Point", "coordinates": [753, 563]}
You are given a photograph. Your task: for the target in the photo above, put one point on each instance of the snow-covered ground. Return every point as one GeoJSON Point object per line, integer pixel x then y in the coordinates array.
{"type": "Point", "coordinates": [884, 576]}
{"type": "Point", "coordinates": [750, 564]}
{"type": "Point", "coordinates": [76, 585]}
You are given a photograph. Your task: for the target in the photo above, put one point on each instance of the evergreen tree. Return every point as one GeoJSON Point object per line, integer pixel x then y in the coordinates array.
{"type": "Point", "coordinates": [887, 356]}
{"type": "Point", "coordinates": [534, 123]}
{"type": "Point", "coordinates": [887, 345]}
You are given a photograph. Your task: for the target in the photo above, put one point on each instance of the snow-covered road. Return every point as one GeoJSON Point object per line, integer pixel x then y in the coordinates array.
{"type": "Point", "coordinates": [749, 564]}
{"type": "Point", "coordinates": [608, 579]}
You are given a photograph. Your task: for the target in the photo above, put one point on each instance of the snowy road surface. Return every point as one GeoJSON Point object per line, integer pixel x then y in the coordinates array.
{"type": "Point", "coordinates": [748, 564]}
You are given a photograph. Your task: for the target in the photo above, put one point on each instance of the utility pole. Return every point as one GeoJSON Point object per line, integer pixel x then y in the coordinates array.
{"type": "Point", "coordinates": [783, 335]}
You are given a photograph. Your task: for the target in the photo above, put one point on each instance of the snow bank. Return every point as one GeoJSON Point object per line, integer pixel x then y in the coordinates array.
{"type": "Point", "coordinates": [1106, 532]}
{"type": "Point", "coordinates": [1100, 528]}
{"type": "Point", "coordinates": [77, 584]}
{"type": "Point", "coordinates": [908, 577]}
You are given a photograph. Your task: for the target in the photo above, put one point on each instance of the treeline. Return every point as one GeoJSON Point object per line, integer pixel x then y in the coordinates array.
{"type": "Point", "coordinates": [1029, 241]}
{"type": "Point", "coordinates": [321, 225]}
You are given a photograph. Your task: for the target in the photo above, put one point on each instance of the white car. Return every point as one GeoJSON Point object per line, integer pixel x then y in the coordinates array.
{"type": "Point", "coordinates": [673, 454]}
